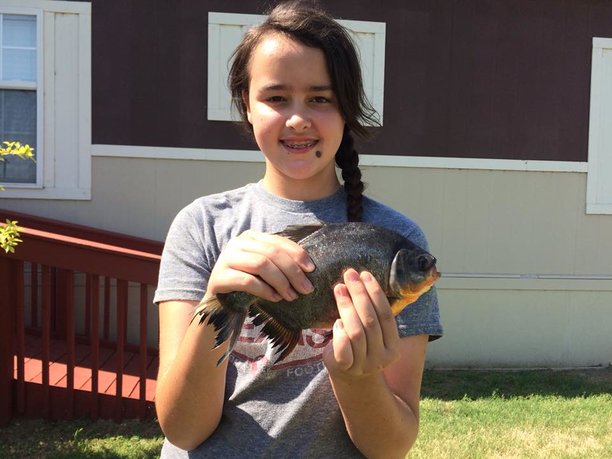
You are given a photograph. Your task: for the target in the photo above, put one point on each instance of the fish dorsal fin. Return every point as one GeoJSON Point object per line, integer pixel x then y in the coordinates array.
{"type": "Point", "coordinates": [298, 232]}
{"type": "Point", "coordinates": [283, 339]}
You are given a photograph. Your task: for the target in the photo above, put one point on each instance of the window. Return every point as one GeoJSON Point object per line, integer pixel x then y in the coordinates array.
{"type": "Point", "coordinates": [225, 31]}
{"type": "Point", "coordinates": [19, 93]}
{"type": "Point", "coordinates": [45, 97]}
{"type": "Point", "coordinates": [599, 179]}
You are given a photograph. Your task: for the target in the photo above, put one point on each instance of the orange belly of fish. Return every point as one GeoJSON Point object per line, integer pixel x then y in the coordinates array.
{"type": "Point", "coordinates": [398, 305]}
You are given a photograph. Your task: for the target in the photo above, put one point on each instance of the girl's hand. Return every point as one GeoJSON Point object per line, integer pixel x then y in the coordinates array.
{"type": "Point", "coordinates": [266, 265]}
{"type": "Point", "coordinates": [365, 339]}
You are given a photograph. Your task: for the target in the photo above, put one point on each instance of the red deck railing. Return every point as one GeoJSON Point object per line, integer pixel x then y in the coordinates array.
{"type": "Point", "coordinates": [75, 319]}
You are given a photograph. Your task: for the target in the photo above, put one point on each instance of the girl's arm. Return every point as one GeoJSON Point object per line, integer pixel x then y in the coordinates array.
{"type": "Point", "coordinates": [190, 386]}
{"type": "Point", "coordinates": [376, 376]}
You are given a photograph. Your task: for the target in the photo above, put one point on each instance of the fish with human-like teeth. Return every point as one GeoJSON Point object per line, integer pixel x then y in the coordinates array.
{"type": "Point", "coordinates": [404, 270]}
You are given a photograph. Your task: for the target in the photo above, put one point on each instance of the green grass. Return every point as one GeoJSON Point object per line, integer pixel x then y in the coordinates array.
{"type": "Point", "coordinates": [464, 414]}
{"type": "Point", "coordinates": [80, 439]}
{"type": "Point", "coordinates": [531, 414]}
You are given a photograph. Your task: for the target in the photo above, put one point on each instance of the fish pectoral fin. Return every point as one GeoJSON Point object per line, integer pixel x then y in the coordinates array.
{"type": "Point", "coordinates": [227, 324]}
{"type": "Point", "coordinates": [298, 232]}
{"type": "Point", "coordinates": [283, 339]}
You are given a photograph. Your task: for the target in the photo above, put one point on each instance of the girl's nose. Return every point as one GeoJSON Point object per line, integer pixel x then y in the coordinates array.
{"type": "Point", "coordinates": [298, 119]}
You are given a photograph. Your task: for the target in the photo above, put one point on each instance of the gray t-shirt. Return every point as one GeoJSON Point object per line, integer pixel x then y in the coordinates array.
{"type": "Point", "coordinates": [273, 410]}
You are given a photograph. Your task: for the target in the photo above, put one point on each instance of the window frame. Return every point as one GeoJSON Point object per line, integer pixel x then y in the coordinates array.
{"type": "Point", "coordinates": [599, 171]}
{"type": "Point", "coordinates": [65, 97]}
{"type": "Point", "coordinates": [17, 85]}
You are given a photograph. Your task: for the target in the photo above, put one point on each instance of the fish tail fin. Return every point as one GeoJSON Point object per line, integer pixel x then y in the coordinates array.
{"type": "Point", "coordinates": [283, 339]}
{"type": "Point", "coordinates": [227, 323]}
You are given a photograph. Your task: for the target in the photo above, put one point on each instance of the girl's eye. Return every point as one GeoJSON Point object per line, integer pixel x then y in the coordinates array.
{"type": "Point", "coordinates": [275, 99]}
{"type": "Point", "coordinates": [321, 100]}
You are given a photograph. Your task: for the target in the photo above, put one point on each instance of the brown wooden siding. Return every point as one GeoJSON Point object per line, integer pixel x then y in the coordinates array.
{"type": "Point", "coordinates": [507, 79]}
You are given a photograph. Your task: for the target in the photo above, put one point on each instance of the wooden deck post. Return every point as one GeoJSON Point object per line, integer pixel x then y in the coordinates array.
{"type": "Point", "coordinates": [46, 340]}
{"type": "Point", "coordinates": [122, 304]}
{"type": "Point", "coordinates": [7, 326]}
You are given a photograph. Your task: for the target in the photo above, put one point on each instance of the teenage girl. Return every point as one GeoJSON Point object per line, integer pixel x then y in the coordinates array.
{"type": "Point", "coordinates": [296, 82]}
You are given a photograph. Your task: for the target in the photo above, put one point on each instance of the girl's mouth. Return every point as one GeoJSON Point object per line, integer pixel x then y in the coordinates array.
{"type": "Point", "coordinates": [299, 146]}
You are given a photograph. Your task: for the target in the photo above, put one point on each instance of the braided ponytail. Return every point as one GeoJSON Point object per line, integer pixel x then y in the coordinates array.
{"type": "Point", "coordinates": [347, 160]}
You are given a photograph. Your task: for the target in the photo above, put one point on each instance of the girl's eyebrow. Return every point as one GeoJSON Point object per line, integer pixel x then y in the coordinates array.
{"type": "Point", "coordinates": [281, 86]}
{"type": "Point", "coordinates": [326, 87]}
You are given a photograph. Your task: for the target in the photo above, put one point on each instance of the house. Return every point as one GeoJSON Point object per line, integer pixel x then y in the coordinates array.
{"type": "Point", "coordinates": [496, 137]}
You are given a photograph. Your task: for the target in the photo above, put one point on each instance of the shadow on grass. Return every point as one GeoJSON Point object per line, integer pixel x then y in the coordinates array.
{"type": "Point", "coordinates": [476, 384]}
{"type": "Point", "coordinates": [35, 438]}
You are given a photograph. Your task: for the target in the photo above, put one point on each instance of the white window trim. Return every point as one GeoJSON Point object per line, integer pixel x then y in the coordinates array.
{"type": "Point", "coordinates": [50, 144]}
{"type": "Point", "coordinates": [219, 105]}
{"type": "Point", "coordinates": [599, 176]}
{"type": "Point", "coordinates": [35, 86]}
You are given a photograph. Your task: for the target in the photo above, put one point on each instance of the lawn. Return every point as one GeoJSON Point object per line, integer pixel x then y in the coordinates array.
{"type": "Point", "coordinates": [533, 414]}
{"type": "Point", "coordinates": [80, 439]}
{"type": "Point", "coordinates": [464, 414]}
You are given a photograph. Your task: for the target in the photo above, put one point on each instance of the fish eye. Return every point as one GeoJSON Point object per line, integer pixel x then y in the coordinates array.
{"type": "Point", "coordinates": [425, 262]}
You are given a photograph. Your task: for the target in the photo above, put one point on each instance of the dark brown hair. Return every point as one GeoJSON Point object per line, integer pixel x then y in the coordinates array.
{"type": "Point", "coordinates": [308, 24]}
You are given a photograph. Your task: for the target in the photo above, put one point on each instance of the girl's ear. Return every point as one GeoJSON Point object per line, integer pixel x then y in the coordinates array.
{"type": "Point", "coordinates": [245, 100]}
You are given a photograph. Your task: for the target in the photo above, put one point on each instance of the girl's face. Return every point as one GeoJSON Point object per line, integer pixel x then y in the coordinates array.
{"type": "Point", "coordinates": [295, 118]}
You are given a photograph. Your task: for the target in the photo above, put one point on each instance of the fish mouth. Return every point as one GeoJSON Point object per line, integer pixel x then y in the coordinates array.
{"type": "Point", "coordinates": [422, 286]}
{"type": "Point", "coordinates": [412, 291]}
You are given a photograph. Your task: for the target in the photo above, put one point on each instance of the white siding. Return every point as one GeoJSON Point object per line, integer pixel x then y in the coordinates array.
{"type": "Point", "coordinates": [527, 279]}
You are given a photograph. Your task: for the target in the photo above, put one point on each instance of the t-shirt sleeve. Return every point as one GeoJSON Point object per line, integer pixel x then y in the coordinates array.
{"type": "Point", "coordinates": [423, 316]}
{"type": "Point", "coordinates": [184, 268]}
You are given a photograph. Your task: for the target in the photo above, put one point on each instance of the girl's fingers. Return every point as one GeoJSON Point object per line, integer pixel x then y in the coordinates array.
{"type": "Point", "coordinates": [265, 265]}
{"type": "Point", "coordinates": [365, 311]}
{"type": "Point", "coordinates": [236, 280]}
{"type": "Point", "coordinates": [343, 353]}
{"type": "Point", "coordinates": [274, 254]}
{"type": "Point", "coordinates": [385, 319]}
{"type": "Point", "coordinates": [347, 299]}
{"type": "Point", "coordinates": [293, 249]}
{"type": "Point", "coordinates": [366, 326]}
{"type": "Point", "coordinates": [263, 271]}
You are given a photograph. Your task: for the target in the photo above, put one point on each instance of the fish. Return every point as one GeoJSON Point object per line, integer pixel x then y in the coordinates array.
{"type": "Point", "coordinates": [404, 270]}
